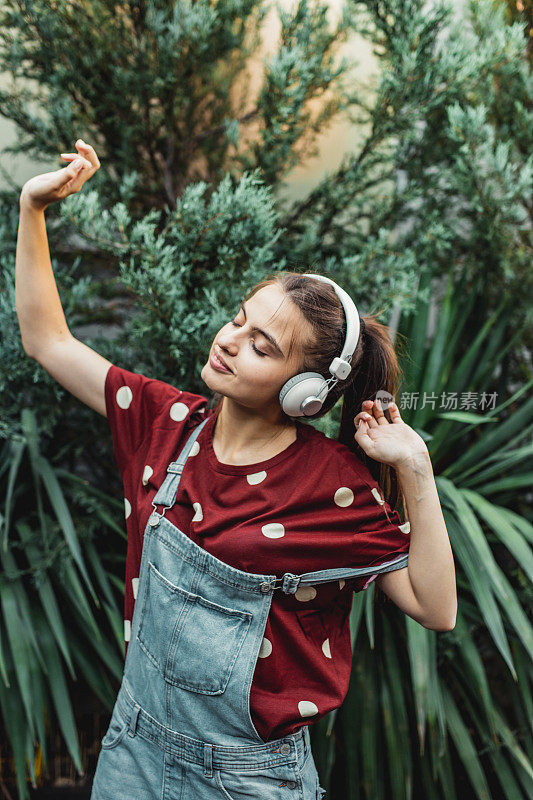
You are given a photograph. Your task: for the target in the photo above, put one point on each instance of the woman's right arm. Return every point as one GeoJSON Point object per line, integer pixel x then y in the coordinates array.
{"type": "Point", "coordinates": [44, 330]}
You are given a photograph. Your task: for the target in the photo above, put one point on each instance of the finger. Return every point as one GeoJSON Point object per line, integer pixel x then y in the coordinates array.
{"type": "Point", "coordinates": [362, 435]}
{"type": "Point", "coordinates": [83, 162]}
{"type": "Point", "coordinates": [69, 156]}
{"type": "Point", "coordinates": [88, 152]}
{"type": "Point", "coordinates": [74, 170]}
{"type": "Point", "coordinates": [379, 413]}
{"type": "Point", "coordinates": [366, 417]}
{"type": "Point", "coordinates": [394, 412]}
{"type": "Point", "coordinates": [76, 157]}
{"type": "Point", "coordinates": [369, 405]}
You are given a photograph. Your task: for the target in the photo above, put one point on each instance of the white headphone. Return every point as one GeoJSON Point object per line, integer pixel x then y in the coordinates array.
{"type": "Point", "coordinates": [304, 394]}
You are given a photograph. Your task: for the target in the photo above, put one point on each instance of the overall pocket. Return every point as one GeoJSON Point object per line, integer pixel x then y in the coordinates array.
{"type": "Point", "coordinates": [268, 783]}
{"type": "Point", "coordinates": [193, 642]}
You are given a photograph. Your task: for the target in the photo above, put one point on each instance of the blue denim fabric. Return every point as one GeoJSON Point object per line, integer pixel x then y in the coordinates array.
{"type": "Point", "coordinates": [181, 727]}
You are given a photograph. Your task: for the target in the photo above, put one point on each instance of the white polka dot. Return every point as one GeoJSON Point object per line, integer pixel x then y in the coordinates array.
{"type": "Point", "coordinates": [178, 411]}
{"type": "Point", "coordinates": [326, 648]}
{"type": "Point", "coordinates": [307, 708]}
{"type": "Point", "coordinates": [343, 496]}
{"type": "Point", "coordinates": [274, 530]}
{"type": "Point", "coordinates": [135, 587]}
{"type": "Point", "coordinates": [195, 449]}
{"type": "Point", "coordinates": [124, 396]}
{"type": "Point", "coordinates": [305, 593]}
{"type": "Point", "coordinates": [198, 513]}
{"type": "Point", "coordinates": [265, 649]}
{"type": "Point", "coordinates": [256, 477]}
{"type": "Point", "coordinates": [377, 495]}
{"type": "Point", "coordinates": [147, 474]}
{"type": "Point", "coordinates": [127, 507]}
{"type": "Point", "coordinates": [342, 583]}
{"type": "Point", "coordinates": [127, 629]}
{"type": "Point", "coordinates": [406, 527]}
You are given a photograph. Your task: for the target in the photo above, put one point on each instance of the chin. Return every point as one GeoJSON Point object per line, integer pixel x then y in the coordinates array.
{"type": "Point", "coordinates": [208, 376]}
{"type": "Point", "coordinates": [204, 374]}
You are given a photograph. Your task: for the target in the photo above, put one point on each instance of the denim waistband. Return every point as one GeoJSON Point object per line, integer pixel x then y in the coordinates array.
{"type": "Point", "coordinates": [248, 756]}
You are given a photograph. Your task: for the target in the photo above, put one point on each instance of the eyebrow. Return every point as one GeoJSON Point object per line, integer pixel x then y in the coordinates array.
{"type": "Point", "coordinates": [267, 336]}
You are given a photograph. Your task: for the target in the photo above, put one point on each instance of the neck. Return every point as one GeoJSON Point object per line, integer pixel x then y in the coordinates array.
{"type": "Point", "coordinates": [239, 431]}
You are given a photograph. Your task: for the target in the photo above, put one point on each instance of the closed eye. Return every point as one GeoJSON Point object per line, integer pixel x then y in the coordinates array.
{"type": "Point", "coordinates": [259, 352]}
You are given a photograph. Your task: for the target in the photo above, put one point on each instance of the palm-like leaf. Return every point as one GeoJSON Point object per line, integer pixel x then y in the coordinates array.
{"type": "Point", "coordinates": [51, 628]}
{"type": "Point", "coordinates": [424, 715]}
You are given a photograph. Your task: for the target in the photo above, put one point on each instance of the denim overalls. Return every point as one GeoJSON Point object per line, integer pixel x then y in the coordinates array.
{"type": "Point", "coordinates": [181, 727]}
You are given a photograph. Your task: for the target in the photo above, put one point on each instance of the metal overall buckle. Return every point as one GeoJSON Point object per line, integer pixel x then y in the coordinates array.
{"type": "Point", "coordinates": [274, 582]}
{"type": "Point", "coordinates": [155, 516]}
{"type": "Point", "coordinates": [266, 586]}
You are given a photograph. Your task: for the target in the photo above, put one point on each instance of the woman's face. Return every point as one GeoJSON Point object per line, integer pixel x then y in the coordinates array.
{"type": "Point", "coordinates": [259, 365]}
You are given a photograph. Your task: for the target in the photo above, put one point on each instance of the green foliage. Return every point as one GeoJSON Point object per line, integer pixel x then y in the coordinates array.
{"type": "Point", "coordinates": [61, 598]}
{"type": "Point", "coordinates": [56, 598]}
{"type": "Point", "coordinates": [449, 714]}
{"type": "Point", "coordinates": [154, 87]}
{"type": "Point", "coordinates": [441, 175]}
{"type": "Point", "coordinates": [190, 275]}
{"type": "Point", "coordinates": [437, 178]}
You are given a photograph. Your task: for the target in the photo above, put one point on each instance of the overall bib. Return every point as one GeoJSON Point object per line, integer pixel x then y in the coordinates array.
{"type": "Point", "coordinates": [181, 727]}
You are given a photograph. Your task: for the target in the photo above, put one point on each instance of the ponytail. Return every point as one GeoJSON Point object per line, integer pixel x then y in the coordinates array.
{"type": "Point", "coordinates": [376, 375]}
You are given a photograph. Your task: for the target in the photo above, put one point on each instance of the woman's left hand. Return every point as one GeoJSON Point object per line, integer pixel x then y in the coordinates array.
{"type": "Point", "coordinates": [389, 442]}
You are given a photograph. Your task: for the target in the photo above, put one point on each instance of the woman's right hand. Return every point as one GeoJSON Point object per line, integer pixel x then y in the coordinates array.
{"type": "Point", "coordinates": [41, 190]}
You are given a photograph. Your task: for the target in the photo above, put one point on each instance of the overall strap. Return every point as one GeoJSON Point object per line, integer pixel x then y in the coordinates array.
{"type": "Point", "coordinates": [289, 583]}
{"type": "Point", "coordinates": [166, 494]}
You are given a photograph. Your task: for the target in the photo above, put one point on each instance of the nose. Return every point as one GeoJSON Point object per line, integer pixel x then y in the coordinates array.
{"type": "Point", "coordinates": [226, 341]}
{"type": "Point", "coordinates": [222, 342]}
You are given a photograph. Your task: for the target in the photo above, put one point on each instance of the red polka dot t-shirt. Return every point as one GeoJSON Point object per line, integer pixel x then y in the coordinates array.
{"type": "Point", "coordinates": [313, 506]}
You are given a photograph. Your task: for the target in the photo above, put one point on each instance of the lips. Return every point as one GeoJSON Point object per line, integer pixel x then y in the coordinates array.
{"type": "Point", "coordinates": [217, 357]}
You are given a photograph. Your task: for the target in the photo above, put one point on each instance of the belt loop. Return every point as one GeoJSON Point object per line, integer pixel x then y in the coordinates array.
{"type": "Point", "coordinates": [208, 760]}
{"type": "Point", "coordinates": [133, 719]}
{"type": "Point", "coordinates": [175, 467]}
{"type": "Point", "coordinates": [290, 583]}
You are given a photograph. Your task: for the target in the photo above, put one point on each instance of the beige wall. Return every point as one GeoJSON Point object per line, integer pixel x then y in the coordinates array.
{"type": "Point", "coordinates": [339, 138]}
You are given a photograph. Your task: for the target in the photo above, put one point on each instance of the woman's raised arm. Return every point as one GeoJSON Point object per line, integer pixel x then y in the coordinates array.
{"type": "Point", "coordinates": [44, 330]}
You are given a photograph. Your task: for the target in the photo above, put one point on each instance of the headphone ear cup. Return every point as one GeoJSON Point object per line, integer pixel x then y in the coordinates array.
{"type": "Point", "coordinates": [298, 389]}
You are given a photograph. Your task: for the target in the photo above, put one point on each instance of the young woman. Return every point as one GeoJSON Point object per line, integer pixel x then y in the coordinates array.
{"type": "Point", "coordinates": [248, 529]}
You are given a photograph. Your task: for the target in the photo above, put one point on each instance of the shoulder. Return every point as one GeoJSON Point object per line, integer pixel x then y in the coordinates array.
{"type": "Point", "coordinates": [133, 394]}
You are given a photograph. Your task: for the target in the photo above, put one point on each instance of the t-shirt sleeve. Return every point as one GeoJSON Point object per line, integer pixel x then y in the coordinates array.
{"type": "Point", "coordinates": [378, 534]}
{"type": "Point", "coordinates": [137, 406]}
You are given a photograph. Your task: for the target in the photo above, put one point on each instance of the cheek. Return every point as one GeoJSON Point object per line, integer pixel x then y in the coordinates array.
{"type": "Point", "coordinates": [265, 379]}
{"type": "Point", "coordinates": [256, 375]}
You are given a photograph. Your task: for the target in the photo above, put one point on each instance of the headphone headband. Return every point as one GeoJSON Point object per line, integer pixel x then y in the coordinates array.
{"type": "Point", "coordinates": [304, 394]}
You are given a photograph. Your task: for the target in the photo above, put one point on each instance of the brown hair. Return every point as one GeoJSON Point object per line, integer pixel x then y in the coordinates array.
{"type": "Point", "coordinates": [374, 363]}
